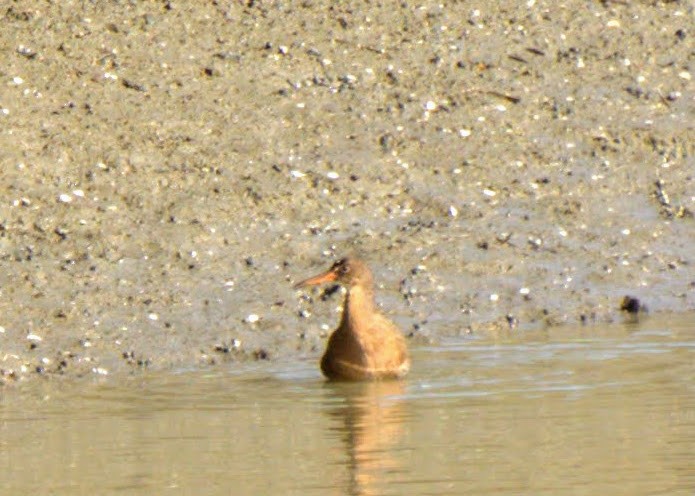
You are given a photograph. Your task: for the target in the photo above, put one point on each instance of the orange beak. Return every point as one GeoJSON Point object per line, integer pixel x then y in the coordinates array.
{"type": "Point", "coordinates": [327, 276]}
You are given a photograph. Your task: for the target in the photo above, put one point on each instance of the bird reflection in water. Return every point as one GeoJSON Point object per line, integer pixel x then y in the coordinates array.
{"type": "Point", "coordinates": [370, 423]}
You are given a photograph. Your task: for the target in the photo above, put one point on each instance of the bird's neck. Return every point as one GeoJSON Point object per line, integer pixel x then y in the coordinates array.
{"type": "Point", "coordinates": [358, 308]}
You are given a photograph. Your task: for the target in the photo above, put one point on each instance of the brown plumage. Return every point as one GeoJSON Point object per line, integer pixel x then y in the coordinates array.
{"type": "Point", "coordinates": [366, 345]}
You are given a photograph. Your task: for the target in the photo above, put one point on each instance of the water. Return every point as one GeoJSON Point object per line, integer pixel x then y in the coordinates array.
{"type": "Point", "coordinates": [569, 411]}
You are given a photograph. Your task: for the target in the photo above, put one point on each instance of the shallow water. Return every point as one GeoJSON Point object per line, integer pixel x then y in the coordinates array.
{"type": "Point", "coordinates": [596, 410]}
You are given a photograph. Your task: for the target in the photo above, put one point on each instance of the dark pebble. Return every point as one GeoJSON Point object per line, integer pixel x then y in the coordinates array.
{"type": "Point", "coordinates": [261, 354]}
{"type": "Point", "coordinates": [630, 304]}
{"type": "Point", "coordinates": [330, 291]}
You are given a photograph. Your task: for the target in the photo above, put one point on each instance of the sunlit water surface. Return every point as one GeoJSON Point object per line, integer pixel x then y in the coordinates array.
{"type": "Point", "coordinates": [596, 410]}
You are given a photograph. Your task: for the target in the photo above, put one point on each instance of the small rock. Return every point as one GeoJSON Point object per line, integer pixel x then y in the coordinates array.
{"type": "Point", "coordinates": [252, 318]}
{"type": "Point", "coordinates": [261, 354]}
{"type": "Point", "coordinates": [630, 304]}
{"type": "Point", "coordinates": [134, 85]}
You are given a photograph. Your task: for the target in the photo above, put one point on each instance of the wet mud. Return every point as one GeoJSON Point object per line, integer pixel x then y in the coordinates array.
{"type": "Point", "coordinates": [170, 169]}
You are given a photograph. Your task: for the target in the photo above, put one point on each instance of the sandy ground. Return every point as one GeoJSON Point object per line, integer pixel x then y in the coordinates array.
{"type": "Point", "coordinates": [169, 169]}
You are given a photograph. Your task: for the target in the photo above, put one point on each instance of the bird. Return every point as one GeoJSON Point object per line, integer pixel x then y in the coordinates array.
{"type": "Point", "coordinates": [366, 345]}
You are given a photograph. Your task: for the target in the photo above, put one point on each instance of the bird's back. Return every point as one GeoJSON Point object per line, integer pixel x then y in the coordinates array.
{"type": "Point", "coordinates": [376, 351]}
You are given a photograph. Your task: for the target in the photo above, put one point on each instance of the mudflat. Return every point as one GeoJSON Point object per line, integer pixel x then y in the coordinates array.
{"type": "Point", "coordinates": [170, 169]}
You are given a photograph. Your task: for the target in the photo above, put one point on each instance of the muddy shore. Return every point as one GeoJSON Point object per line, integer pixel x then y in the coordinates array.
{"type": "Point", "coordinates": [169, 169]}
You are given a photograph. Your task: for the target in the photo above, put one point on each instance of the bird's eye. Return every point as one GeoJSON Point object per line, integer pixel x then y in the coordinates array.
{"type": "Point", "coordinates": [341, 267]}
